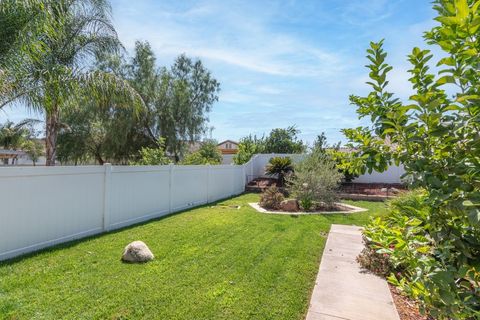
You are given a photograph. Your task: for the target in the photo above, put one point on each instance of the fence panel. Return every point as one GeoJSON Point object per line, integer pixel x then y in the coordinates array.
{"type": "Point", "coordinates": [223, 181]}
{"type": "Point", "coordinates": [138, 193]}
{"type": "Point", "coordinates": [189, 186]}
{"type": "Point", "coordinates": [44, 206]}
{"type": "Point", "coordinates": [392, 175]}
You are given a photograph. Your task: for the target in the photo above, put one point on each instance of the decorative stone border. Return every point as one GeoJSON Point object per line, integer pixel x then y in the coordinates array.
{"type": "Point", "coordinates": [257, 207]}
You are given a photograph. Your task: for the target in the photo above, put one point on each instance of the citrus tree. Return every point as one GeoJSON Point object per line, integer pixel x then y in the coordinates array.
{"type": "Point", "coordinates": [436, 137]}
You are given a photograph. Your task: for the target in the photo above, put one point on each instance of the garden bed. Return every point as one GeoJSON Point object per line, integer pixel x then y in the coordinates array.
{"type": "Point", "coordinates": [338, 209]}
{"type": "Point", "coordinates": [372, 189]}
{"type": "Point", "coordinates": [260, 184]}
{"type": "Point", "coordinates": [407, 309]}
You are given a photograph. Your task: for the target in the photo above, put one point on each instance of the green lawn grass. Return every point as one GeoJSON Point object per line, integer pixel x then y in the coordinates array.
{"type": "Point", "coordinates": [212, 262]}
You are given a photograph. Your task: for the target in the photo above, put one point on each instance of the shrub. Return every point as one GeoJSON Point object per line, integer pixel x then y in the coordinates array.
{"type": "Point", "coordinates": [420, 265]}
{"type": "Point", "coordinates": [315, 181]}
{"type": "Point", "coordinates": [378, 263]}
{"type": "Point", "coordinates": [279, 166]}
{"type": "Point", "coordinates": [271, 198]}
{"type": "Point", "coordinates": [207, 154]}
{"type": "Point", "coordinates": [152, 156]}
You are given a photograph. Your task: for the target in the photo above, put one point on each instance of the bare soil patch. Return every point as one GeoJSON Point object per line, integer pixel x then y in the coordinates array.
{"type": "Point", "coordinates": [407, 309]}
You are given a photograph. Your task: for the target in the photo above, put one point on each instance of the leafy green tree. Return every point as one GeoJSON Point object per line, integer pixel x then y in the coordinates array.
{"type": "Point", "coordinates": [436, 138]}
{"type": "Point", "coordinates": [107, 129]}
{"type": "Point", "coordinates": [284, 141]}
{"type": "Point", "coordinates": [177, 100]}
{"type": "Point", "coordinates": [192, 92]}
{"type": "Point", "coordinates": [102, 130]}
{"type": "Point", "coordinates": [152, 156]}
{"type": "Point", "coordinates": [278, 141]}
{"type": "Point", "coordinates": [17, 136]}
{"type": "Point", "coordinates": [34, 149]}
{"type": "Point", "coordinates": [320, 144]}
{"type": "Point", "coordinates": [247, 147]}
{"type": "Point", "coordinates": [207, 154]}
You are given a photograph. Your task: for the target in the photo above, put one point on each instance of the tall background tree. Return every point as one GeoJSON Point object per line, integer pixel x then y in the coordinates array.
{"type": "Point", "coordinates": [177, 102]}
{"type": "Point", "coordinates": [280, 140]}
{"type": "Point", "coordinates": [57, 73]}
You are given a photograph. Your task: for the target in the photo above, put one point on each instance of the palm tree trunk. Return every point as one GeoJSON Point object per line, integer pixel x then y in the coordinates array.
{"type": "Point", "coordinates": [51, 137]}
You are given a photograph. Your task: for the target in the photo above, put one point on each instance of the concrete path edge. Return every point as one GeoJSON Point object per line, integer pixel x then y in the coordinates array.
{"type": "Point", "coordinates": [343, 290]}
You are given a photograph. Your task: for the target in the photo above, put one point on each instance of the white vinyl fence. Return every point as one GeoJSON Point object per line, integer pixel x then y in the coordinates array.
{"type": "Point", "coordinates": [42, 206]}
{"type": "Point", "coordinates": [256, 166]}
{"type": "Point", "coordinates": [392, 175]}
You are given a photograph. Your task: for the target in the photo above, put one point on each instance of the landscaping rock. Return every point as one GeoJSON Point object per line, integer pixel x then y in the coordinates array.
{"type": "Point", "coordinates": [289, 205]}
{"type": "Point", "coordinates": [137, 251]}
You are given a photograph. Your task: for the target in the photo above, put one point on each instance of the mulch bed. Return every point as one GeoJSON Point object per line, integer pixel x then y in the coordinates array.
{"type": "Point", "coordinates": [372, 189]}
{"type": "Point", "coordinates": [359, 189]}
{"type": "Point", "coordinates": [407, 308]}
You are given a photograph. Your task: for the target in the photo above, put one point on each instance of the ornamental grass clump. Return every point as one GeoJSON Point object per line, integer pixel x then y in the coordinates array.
{"type": "Point", "coordinates": [315, 181]}
{"type": "Point", "coordinates": [271, 198]}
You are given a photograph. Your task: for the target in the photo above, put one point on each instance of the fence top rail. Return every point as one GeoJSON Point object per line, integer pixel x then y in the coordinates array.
{"type": "Point", "coordinates": [6, 172]}
{"type": "Point", "coordinates": [24, 171]}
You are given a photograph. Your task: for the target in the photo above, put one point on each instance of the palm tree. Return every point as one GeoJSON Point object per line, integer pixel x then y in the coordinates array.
{"type": "Point", "coordinates": [12, 135]}
{"type": "Point", "coordinates": [55, 70]}
{"type": "Point", "coordinates": [280, 167]}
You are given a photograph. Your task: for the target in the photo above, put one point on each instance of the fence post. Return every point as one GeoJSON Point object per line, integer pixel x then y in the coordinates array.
{"type": "Point", "coordinates": [170, 185]}
{"type": "Point", "coordinates": [106, 195]}
{"type": "Point", "coordinates": [244, 175]}
{"type": "Point", "coordinates": [208, 183]}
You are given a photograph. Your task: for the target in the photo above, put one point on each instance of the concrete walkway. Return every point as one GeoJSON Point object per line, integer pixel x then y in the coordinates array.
{"type": "Point", "coordinates": [342, 290]}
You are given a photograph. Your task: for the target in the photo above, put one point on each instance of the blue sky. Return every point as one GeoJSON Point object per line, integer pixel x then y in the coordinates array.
{"type": "Point", "coordinates": [279, 62]}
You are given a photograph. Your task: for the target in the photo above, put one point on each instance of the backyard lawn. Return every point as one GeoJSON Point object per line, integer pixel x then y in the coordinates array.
{"type": "Point", "coordinates": [213, 262]}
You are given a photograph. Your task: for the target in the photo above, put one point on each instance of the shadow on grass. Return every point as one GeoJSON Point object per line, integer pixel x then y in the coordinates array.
{"type": "Point", "coordinates": [73, 243]}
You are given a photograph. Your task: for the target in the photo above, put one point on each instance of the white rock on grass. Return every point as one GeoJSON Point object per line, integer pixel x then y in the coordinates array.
{"type": "Point", "coordinates": [137, 251]}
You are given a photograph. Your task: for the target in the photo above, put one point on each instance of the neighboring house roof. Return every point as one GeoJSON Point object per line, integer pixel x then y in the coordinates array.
{"type": "Point", "coordinates": [8, 154]}
{"type": "Point", "coordinates": [15, 152]}
{"type": "Point", "coordinates": [231, 141]}
{"type": "Point", "coordinates": [228, 149]}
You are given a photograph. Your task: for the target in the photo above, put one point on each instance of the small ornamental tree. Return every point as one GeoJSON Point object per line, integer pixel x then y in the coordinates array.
{"type": "Point", "coordinates": [315, 181]}
{"type": "Point", "coordinates": [280, 167]}
{"type": "Point", "coordinates": [436, 137]}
